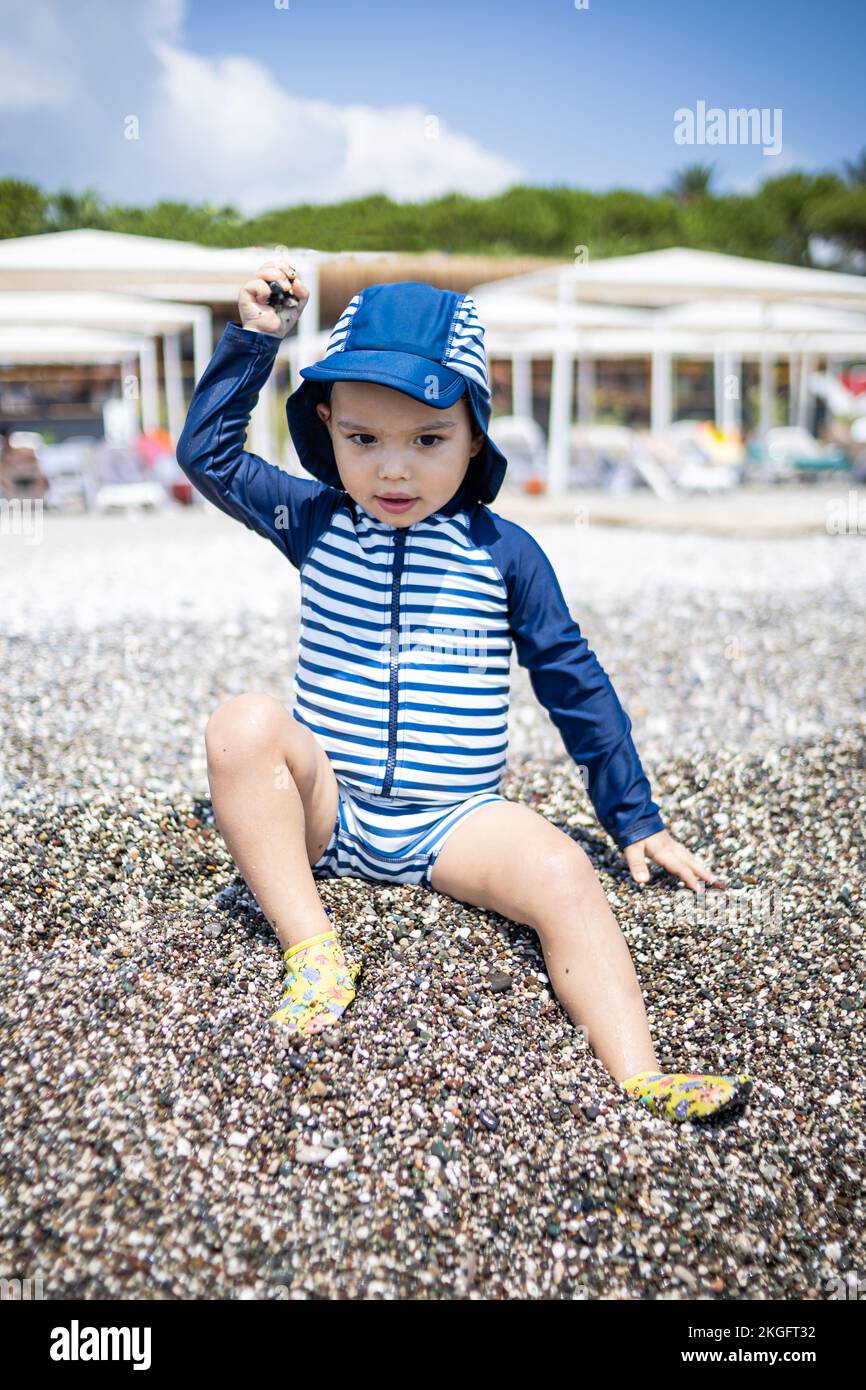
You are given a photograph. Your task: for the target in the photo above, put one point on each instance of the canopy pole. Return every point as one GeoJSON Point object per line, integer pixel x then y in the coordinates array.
{"type": "Point", "coordinates": [793, 387]}
{"type": "Point", "coordinates": [149, 387]}
{"type": "Point", "coordinates": [804, 395]}
{"type": "Point", "coordinates": [262, 422]}
{"type": "Point", "coordinates": [561, 396]}
{"type": "Point", "coordinates": [561, 390]}
{"type": "Point", "coordinates": [718, 389]}
{"type": "Point", "coordinates": [732, 385]}
{"type": "Point", "coordinates": [585, 387]}
{"type": "Point", "coordinates": [660, 408]}
{"type": "Point", "coordinates": [202, 341]}
{"type": "Point", "coordinates": [768, 396]}
{"type": "Point", "coordinates": [130, 367]}
{"type": "Point", "coordinates": [309, 323]}
{"type": "Point", "coordinates": [521, 385]}
{"type": "Point", "coordinates": [174, 403]}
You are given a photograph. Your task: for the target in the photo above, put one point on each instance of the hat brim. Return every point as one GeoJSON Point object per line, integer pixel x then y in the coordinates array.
{"type": "Point", "coordinates": [426, 381]}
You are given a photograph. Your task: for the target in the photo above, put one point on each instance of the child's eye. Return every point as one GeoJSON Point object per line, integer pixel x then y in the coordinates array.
{"type": "Point", "coordinates": [363, 440]}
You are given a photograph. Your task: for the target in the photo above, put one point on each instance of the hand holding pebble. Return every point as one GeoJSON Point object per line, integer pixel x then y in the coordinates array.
{"type": "Point", "coordinates": [256, 311]}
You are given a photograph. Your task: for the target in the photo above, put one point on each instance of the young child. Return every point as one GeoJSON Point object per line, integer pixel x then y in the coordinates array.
{"type": "Point", "coordinates": [389, 763]}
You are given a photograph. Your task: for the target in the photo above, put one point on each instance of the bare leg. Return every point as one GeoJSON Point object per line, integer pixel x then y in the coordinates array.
{"type": "Point", "coordinates": [507, 858]}
{"type": "Point", "coordinates": [275, 801]}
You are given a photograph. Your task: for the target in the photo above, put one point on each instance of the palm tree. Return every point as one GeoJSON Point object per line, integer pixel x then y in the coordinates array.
{"type": "Point", "coordinates": [67, 211]}
{"type": "Point", "coordinates": [855, 170]}
{"type": "Point", "coordinates": [691, 182]}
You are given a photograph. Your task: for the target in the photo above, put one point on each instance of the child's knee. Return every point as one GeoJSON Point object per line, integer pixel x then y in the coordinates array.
{"type": "Point", "coordinates": [567, 867]}
{"type": "Point", "coordinates": [242, 727]}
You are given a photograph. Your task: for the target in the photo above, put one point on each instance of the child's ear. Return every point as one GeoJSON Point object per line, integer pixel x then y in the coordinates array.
{"type": "Point", "coordinates": [475, 431]}
{"type": "Point", "coordinates": [323, 410]}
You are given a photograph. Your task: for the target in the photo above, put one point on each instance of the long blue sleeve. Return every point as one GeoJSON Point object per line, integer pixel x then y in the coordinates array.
{"type": "Point", "coordinates": [288, 510]}
{"type": "Point", "coordinates": [571, 684]}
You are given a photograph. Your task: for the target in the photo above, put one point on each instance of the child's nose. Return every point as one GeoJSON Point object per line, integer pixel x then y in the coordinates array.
{"type": "Point", "coordinates": [395, 463]}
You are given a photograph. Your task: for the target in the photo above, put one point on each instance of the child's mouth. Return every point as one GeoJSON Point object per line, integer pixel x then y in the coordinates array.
{"type": "Point", "coordinates": [397, 503]}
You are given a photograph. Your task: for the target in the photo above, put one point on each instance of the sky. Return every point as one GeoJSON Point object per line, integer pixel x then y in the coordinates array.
{"type": "Point", "coordinates": [265, 103]}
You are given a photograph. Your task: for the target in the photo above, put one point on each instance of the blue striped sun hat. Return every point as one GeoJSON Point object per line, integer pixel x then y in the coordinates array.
{"type": "Point", "coordinates": [415, 338]}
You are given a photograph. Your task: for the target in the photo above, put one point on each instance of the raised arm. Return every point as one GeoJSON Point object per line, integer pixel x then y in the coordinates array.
{"type": "Point", "coordinates": [573, 687]}
{"type": "Point", "coordinates": [286, 509]}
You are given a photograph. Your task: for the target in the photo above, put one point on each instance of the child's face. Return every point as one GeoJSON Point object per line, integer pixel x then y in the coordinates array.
{"type": "Point", "coordinates": [387, 443]}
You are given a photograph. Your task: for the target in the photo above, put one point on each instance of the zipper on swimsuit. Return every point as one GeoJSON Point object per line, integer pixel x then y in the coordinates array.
{"type": "Point", "coordinates": [399, 553]}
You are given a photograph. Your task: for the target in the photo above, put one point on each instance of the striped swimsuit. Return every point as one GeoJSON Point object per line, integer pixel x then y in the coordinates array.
{"type": "Point", "coordinates": [403, 677]}
{"type": "Point", "coordinates": [406, 642]}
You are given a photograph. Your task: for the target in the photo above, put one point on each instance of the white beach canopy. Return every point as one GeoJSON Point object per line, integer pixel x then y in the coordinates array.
{"type": "Point", "coordinates": [53, 344]}
{"type": "Point", "coordinates": [119, 312]}
{"type": "Point", "coordinates": [60, 344]}
{"type": "Point", "coordinates": [679, 273]}
{"type": "Point", "coordinates": [699, 303]}
{"type": "Point", "coordinates": [752, 315]}
{"type": "Point", "coordinates": [156, 266]}
{"type": "Point", "coordinates": [62, 266]}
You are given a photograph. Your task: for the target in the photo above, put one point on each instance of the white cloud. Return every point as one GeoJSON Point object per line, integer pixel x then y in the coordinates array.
{"type": "Point", "coordinates": [770, 168]}
{"type": "Point", "coordinates": [46, 46]}
{"type": "Point", "coordinates": [216, 129]}
{"type": "Point", "coordinates": [34, 68]}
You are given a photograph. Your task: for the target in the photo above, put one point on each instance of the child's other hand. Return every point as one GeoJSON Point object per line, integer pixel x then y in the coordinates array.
{"type": "Point", "coordinates": [254, 309]}
{"type": "Point", "coordinates": [663, 849]}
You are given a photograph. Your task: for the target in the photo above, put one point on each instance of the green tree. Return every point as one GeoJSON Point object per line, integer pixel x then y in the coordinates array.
{"type": "Point", "coordinates": [791, 200]}
{"type": "Point", "coordinates": [776, 222]}
{"type": "Point", "coordinates": [67, 211]}
{"type": "Point", "coordinates": [22, 208]}
{"type": "Point", "coordinates": [627, 222]}
{"type": "Point", "coordinates": [841, 218]}
{"type": "Point", "coordinates": [732, 224]}
{"type": "Point", "coordinates": [691, 182]}
{"type": "Point", "coordinates": [855, 170]}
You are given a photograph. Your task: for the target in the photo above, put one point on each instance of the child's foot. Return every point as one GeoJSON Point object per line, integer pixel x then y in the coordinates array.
{"type": "Point", "coordinates": [689, 1095]}
{"type": "Point", "coordinates": [319, 984]}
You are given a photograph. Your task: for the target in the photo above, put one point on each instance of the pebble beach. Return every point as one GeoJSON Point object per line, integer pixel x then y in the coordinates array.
{"type": "Point", "coordinates": [453, 1137]}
